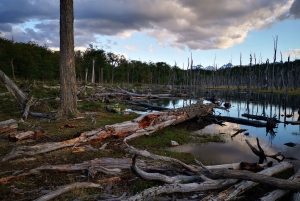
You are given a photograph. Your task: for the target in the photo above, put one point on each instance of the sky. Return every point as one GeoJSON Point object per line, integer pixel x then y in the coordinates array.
{"type": "Point", "coordinates": [214, 32]}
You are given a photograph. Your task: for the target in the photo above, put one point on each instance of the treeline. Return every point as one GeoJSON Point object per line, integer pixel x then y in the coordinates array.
{"type": "Point", "coordinates": [31, 61]}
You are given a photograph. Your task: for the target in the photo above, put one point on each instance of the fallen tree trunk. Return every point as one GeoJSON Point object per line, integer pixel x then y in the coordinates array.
{"type": "Point", "coordinates": [67, 188]}
{"type": "Point", "coordinates": [235, 120]}
{"type": "Point", "coordinates": [147, 105]}
{"type": "Point", "coordinates": [108, 166]}
{"type": "Point", "coordinates": [276, 194]}
{"type": "Point", "coordinates": [292, 122]}
{"type": "Point", "coordinates": [143, 125]}
{"type": "Point", "coordinates": [8, 126]}
{"type": "Point", "coordinates": [259, 117]}
{"type": "Point", "coordinates": [245, 185]}
{"type": "Point", "coordinates": [249, 176]}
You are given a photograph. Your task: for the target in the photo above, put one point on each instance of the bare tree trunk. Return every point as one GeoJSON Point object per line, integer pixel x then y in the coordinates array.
{"type": "Point", "coordinates": [275, 50]}
{"type": "Point", "coordinates": [13, 89]}
{"type": "Point", "coordinates": [93, 72]}
{"type": "Point", "coordinates": [68, 99]}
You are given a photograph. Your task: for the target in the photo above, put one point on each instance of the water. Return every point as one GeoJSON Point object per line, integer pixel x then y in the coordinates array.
{"type": "Point", "coordinates": [235, 149]}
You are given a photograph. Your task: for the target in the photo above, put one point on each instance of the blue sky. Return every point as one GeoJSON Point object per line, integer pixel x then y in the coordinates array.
{"type": "Point", "coordinates": [164, 30]}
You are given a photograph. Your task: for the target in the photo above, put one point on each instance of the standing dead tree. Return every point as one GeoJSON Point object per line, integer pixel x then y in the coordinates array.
{"type": "Point", "coordinates": [274, 60]}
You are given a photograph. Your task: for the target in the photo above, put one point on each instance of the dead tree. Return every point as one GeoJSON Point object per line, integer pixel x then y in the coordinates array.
{"type": "Point", "coordinates": [19, 95]}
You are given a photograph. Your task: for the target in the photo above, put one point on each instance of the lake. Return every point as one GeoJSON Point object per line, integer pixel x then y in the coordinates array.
{"type": "Point", "coordinates": [235, 149]}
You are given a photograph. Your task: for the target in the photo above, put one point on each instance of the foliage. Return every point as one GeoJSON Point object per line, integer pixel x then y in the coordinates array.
{"type": "Point", "coordinates": [33, 62]}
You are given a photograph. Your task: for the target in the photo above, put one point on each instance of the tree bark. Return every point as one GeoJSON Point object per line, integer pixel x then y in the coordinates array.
{"type": "Point", "coordinates": [8, 126]}
{"type": "Point", "coordinates": [68, 99]}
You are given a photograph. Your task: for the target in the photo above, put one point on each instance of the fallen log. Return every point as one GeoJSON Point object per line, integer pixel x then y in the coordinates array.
{"type": "Point", "coordinates": [245, 185]}
{"type": "Point", "coordinates": [67, 188]}
{"type": "Point", "coordinates": [183, 188]}
{"type": "Point", "coordinates": [8, 126]}
{"type": "Point", "coordinates": [162, 177]}
{"type": "Point", "coordinates": [292, 122]}
{"type": "Point", "coordinates": [259, 117]}
{"type": "Point", "coordinates": [147, 105]}
{"type": "Point", "coordinates": [236, 120]}
{"type": "Point", "coordinates": [139, 95]}
{"type": "Point", "coordinates": [143, 125]}
{"type": "Point", "coordinates": [109, 166]}
{"type": "Point", "coordinates": [276, 194]}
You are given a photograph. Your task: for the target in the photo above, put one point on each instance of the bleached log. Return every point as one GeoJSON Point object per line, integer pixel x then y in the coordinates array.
{"type": "Point", "coordinates": [245, 185]}
{"type": "Point", "coordinates": [183, 188]}
{"type": "Point", "coordinates": [67, 188]}
{"type": "Point", "coordinates": [147, 154]}
{"type": "Point", "coordinates": [110, 166]}
{"type": "Point", "coordinates": [39, 148]}
{"type": "Point", "coordinates": [161, 177]}
{"type": "Point", "coordinates": [8, 126]}
{"type": "Point", "coordinates": [192, 168]}
{"type": "Point", "coordinates": [276, 194]}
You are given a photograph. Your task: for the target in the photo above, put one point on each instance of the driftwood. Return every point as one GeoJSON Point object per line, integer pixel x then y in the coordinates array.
{"type": "Point", "coordinates": [245, 185]}
{"type": "Point", "coordinates": [276, 194]}
{"type": "Point", "coordinates": [235, 120]}
{"type": "Point", "coordinates": [108, 166]}
{"type": "Point", "coordinates": [224, 178]}
{"type": "Point", "coordinates": [8, 126]}
{"type": "Point", "coordinates": [143, 125]}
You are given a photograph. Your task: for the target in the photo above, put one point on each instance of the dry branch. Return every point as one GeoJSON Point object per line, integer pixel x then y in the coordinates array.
{"type": "Point", "coordinates": [67, 188]}
{"type": "Point", "coordinates": [161, 177]}
{"type": "Point", "coordinates": [245, 185]}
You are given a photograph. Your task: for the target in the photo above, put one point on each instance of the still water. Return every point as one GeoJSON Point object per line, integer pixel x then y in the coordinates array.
{"type": "Point", "coordinates": [235, 149]}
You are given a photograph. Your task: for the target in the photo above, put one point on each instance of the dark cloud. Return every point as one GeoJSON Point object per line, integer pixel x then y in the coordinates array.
{"type": "Point", "coordinates": [295, 9]}
{"type": "Point", "coordinates": [205, 24]}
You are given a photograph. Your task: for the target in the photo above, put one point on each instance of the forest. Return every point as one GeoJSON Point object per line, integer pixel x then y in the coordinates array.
{"type": "Point", "coordinates": [32, 61]}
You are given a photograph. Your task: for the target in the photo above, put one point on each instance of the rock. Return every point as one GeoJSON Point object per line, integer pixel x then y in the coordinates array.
{"type": "Point", "coordinates": [173, 143]}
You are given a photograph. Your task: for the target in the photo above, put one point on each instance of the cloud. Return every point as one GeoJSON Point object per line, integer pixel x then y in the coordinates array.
{"type": "Point", "coordinates": [206, 24]}
{"type": "Point", "coordinates": [132, 48]}
{"type": "Point", "coordinates": [295, 9]}
{"type": "Point", "coordinates": [150, 48]}
{"type": "Point", "coordinates": [292, 53]}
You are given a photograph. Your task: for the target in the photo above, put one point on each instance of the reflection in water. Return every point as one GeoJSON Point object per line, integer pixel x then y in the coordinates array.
{"type": "Point", "coordinates": [236, 150]}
